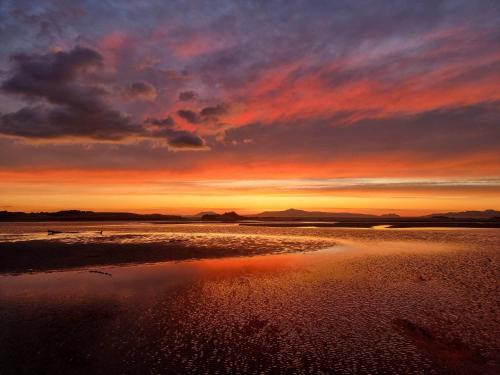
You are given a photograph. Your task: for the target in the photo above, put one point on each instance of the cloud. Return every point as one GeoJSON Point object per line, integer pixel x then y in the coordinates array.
{"type": "Point", "coordinates": [177, 139]}
{"type": "Point", "coordinates": [186, 140]}
{"type": "Point", "coordinates": [186, 96]}
{"type": "Point", "coordinates": [401, 144]}
{"type": "Point", "coordinates": [206, 115]}
{"type": "Point", "coordinates": [168, 121]}
{"type": "Point", "coordinates": [141, 91]}
{"type": "Point", "coordinates": [40, 122]}
{"type": "Point", "coordinates": [68, 100]}
{"type": "Point", "coordinates": [188, 115]}
{"type": "Point", "coordinates": [48, 76]}
{"type": "Point", "coordinates": [216, 111]}
{"type": "Point", "coordinates": [459, 142]}
{"type": "Point", "coordinates": [66, 95]}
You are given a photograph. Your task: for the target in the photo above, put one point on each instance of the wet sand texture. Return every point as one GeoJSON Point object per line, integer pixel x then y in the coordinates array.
{"type": "Point", "coordinates": [426, 304]}
{"type": "Point", "coordinates": [49, 255]}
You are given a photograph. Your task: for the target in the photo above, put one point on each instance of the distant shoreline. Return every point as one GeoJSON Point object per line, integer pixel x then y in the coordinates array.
{"type": "Point", "coordinates": [287, 215]}
{"type": "Point", "coordinates": [394, 223]}
{"type": "Point", "coordinates": [390, 225]}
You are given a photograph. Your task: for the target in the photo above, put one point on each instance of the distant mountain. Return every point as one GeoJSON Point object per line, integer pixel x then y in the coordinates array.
{"type": "Point", "coordinates": [76, 215]}
{"type": "Point", "coordinates": [227, 216]}
{"type": "Point", "coordinates": [390, 216]}
{"type": "Point", "coordinates": [486, 214]}
{"type": "Point", "coordinates": [203, 213]}
{"type": "Point", "coordinates": [293, 213]}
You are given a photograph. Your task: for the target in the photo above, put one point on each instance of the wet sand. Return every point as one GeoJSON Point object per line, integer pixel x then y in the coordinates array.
{"type": "Point", "coordinates": [371, 224]}
{"type": "Point", "coordinates": [53, 255]}
{"type": "Point", "coordinates": [72, 248]}
{"type": "Point", "coordinates": [378, 302]}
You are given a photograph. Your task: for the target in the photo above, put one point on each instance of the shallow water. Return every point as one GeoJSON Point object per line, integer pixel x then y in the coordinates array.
{"type": "Point", "coordinates": [365, 301]}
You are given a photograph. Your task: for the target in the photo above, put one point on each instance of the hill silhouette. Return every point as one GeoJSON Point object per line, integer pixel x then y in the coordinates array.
{"type": "Point", "coordinates": [486, 214]}
{"type": "Point", "coordinates": [77, 215]}
{"type": "Point", "coordinates": [227, 216]}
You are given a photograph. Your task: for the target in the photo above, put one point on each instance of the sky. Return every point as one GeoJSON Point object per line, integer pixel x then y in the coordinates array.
{"type": "Point", "coordinates": [186, 106]}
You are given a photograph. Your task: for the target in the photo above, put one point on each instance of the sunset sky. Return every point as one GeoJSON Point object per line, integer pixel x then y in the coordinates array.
{"type": "Point", "coordinates": [186, 106]}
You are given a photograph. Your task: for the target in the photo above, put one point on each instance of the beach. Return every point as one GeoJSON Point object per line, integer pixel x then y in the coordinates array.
{"type": "Point", "coordinates": [231, 299]}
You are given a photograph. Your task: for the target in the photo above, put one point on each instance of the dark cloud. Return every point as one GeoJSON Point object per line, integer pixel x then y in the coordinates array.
{"type": "Point", "coordinates": [216, 111]}
{"type": "Point", "coordinates": [207, 114]}
{"type": "Point", "coordinates": [186, 140]}
{"type": "Point", "coordinates": [189, 116]}
{"type": "Point", "coordinates": [51, 76]}
{"type": "Point", "coordinates": [187, 96]}
{"type": "Point", "coordinates": [141, 90]}
{"type": "Point", "coordinates": [68, 101]}
{"type": "Point", "coordinates": [176, 139]}
{"type": "Point", "coordinates": [67, 97]}
{"type": "Point", "coordinates": [168, 121]}
{"type": "Point", "coordinates": [42, 122]}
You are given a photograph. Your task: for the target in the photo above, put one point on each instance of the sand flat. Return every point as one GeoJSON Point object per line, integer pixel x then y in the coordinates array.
{"type": "Point", "coordinates": [392, 301]}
